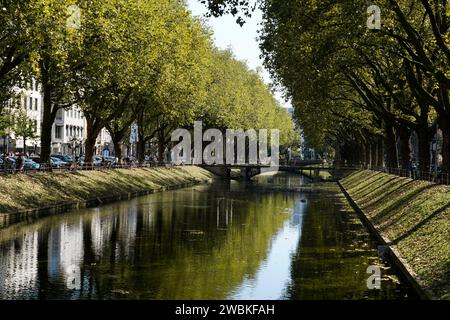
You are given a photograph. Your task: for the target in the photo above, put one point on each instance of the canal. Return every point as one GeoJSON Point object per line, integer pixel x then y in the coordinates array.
{"type": "Point", "coordinates": [276, 238]}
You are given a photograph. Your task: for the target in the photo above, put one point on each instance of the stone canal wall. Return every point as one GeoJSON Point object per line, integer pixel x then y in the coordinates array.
{"type": "Point", "coordinates": [412, 219]}
{"type": "Point", "coordinates": [24, 197]}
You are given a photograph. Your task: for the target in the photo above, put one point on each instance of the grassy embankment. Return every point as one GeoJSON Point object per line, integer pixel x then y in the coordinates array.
{"type": "Point", "coordinates": [414, 216]}
{"type": "Point", "coordinates": [22, 192]}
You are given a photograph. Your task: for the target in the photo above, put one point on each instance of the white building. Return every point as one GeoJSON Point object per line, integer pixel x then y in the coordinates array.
{"type": "Point", "coordinates": [68, 131]}
{"type": "Point", "coordinates": [30, 99]}
{"type": "Point", "coordinates": [103, 144]}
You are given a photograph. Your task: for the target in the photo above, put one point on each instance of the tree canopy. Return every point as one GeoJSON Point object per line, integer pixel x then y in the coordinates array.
{"type": "Point", "coordinates": [148, 62]}
{"type": "Point", "coordinates": [357, 89]}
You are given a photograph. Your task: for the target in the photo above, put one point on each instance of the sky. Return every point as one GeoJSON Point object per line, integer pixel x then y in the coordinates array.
{"type": "Point", "coordinates": [242, 40]}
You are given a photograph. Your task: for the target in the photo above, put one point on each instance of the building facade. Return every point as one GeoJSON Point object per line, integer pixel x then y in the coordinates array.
{"type": "Point", "coordinates": [68, 130]}
{"type": "Point", "coordinates": [29, 99]}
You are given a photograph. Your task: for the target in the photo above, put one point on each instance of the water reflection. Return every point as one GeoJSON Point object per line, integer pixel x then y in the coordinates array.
{"type": "Point", "coordinates": [208, 242]}
{"type": "Point", "coordinates": [273, 276]}
{"type": "Point", "coordinates": [18, 261]}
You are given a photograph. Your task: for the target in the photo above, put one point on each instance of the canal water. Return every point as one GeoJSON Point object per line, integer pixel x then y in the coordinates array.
{"type": "Point", "coordinates": [275, 238]}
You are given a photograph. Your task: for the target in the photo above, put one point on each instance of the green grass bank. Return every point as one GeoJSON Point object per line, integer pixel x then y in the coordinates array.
{"type": "Point", "coordinates": [413, 217]}
{"type": "Point", "coordinates": [21, 193]}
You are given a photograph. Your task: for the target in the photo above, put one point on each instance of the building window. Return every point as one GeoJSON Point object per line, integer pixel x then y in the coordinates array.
{"type": "Point", "coordinates": [35, 126]}
{"type": "Point", "coordinates": [31, 103]}
{"type": "Point", "coordinates": [35, 104]}
{"type": "Point", "coordinates": [59, 114]}
{"type": "Point", "coordinates": [36, 86]}
{"type": "Point", "coordinates": [58, 132]}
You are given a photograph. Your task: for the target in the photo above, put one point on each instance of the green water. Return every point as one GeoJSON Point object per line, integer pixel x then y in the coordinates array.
{"type": "Point", "coordinates": [260, 240]}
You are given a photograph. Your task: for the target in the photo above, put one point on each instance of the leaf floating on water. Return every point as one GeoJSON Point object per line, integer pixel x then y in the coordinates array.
{"type": "Point", "coordinates": [392, 278]}
{"type": "Point", "coordinates": [119, 291]}
{"type": "Point", "coordinates": [194, 232]}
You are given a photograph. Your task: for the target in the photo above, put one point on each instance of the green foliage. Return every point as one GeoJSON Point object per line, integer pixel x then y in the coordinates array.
{"type": "Point", "coordinates": [351, 85]}
{"type": "Point", "coordinates": [23, 127]}
{"type": "Point", "coordinates": [234, 94]}
{"type": "Point", "coordinates": [124, 61]}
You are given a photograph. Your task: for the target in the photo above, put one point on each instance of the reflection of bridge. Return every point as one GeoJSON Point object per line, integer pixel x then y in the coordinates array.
{"type": "Point", "coordinates": [250, 170]}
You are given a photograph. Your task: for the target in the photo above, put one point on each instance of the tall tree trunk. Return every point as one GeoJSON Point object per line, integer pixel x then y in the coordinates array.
{"type": "Point", "coordinates": [48, 117]}
{"type": "Point", "coordinates": [92, 132]}
{"type": "Point", "coordinates": [424, 148]}
{"type": "Point", "coordinates": [368, 155]}
{"type": "Point", "coordinates": [141, 145]}
{"type": "Point", "coordinates": [374, 156]}
{"type": "Point", "coordinates": [391, 147]}
{"type": "Point", "coordinates": [380, 153]}
{"type": "Point", "coordinates": [360, 155]}
{"type": "Point", "coordinates": [118, 148]}
{"type": "Point", "coordinates": [141, 136]}
{"type": "Point", "coordinates": [444, 125]}
{"type": "Point", "coordinates": [363, 155]}
{"type": "Point", "coordinates": [161, 145]}
{"type": "Point", "coordinates": [337, 156]}
{"type": "Point", "coordinates": [405, 148]}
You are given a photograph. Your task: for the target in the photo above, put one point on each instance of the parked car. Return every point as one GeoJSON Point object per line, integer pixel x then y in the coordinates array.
{"type": "Point", "coordinates": [63, 157]}
{"type": "Point", "coordinates": [29, 164]}
{"type": "Point", "coordinates": [58, 163]}
{"type": "Point", "coordinates": [8, 163]}
{"type": "Point", "coordinates": [96, 161]}
{"type": "Point", "coordinates": [36, 159]}
{"type": "Point", "coordinates": [111, 161]}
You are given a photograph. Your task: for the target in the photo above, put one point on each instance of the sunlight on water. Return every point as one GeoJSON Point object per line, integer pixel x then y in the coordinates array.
{"type": "Point", "coordinates": [227, 240]}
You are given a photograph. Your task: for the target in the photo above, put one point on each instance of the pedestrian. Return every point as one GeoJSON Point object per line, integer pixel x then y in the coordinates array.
{"type": "Point", "coordinates": [409, 168]}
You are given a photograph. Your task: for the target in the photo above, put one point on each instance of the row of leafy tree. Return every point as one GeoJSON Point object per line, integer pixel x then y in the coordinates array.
{"type": "Point", "coordinates": [148, 62]}
{"type": "Point", "coordinates": [355, 89]}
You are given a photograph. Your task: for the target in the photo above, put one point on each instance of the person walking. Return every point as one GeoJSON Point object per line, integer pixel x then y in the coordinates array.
{"type": "Point", "coordinates": [409, 168]}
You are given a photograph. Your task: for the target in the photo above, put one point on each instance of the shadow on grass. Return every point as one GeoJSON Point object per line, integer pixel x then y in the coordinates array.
{"type": "Point", "coordinates": [441, 285]}
{"type": "Point", "coordinates": [355, 181]}
{"type": "Point", "coordinates": [419, 225]}
{"type": "Point", "coordinates": [402, 201]}
{"type": "Point", "coordinates": [369, 205]}
{"type": "Point", "coordinates": [380, 187]}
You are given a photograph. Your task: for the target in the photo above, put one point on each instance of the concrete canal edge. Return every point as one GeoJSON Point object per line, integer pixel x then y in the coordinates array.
{"type": "Point", "coordinates": [393, 256]}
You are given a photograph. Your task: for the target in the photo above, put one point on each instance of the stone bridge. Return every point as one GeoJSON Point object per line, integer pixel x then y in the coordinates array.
{"type": "Point", "coordinates": [248, 171]}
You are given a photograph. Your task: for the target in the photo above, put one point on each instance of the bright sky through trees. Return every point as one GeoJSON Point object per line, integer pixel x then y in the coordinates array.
{"type": "Point", "coordinates": [243, 40]}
